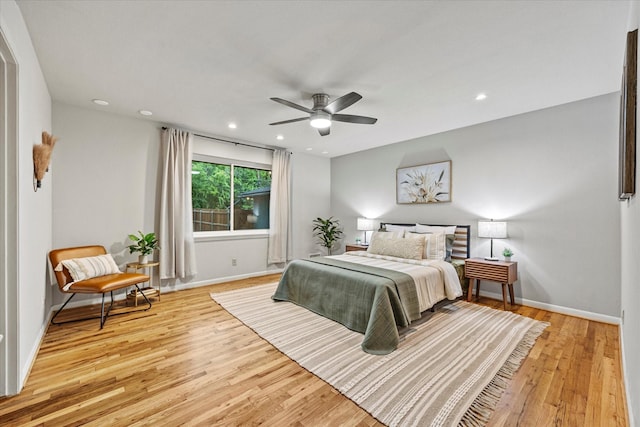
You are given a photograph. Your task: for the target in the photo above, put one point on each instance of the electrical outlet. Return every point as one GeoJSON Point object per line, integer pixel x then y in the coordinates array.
{"type": "Point", "coordinates": [234, 262]}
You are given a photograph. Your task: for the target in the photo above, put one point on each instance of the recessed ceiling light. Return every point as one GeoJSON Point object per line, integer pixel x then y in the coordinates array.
{"type": "Point", "coordinates": [325, 152]}
{"type": "Point", "coordinates": [279, 137]}
{"type": "Point", "coordinates": [145, 112]}
{"type": "Point", "coordinates": [309, 148]}
{"type": "Point", "coordinates": [481, 96]}
{"type": "Point", "coordinates": [100, 102]}
{"type": "Point", "coordinates": [232, 125]}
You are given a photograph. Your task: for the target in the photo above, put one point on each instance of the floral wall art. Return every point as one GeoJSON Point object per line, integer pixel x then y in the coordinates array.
{"type": "Point", "coordinates": [429, 183]}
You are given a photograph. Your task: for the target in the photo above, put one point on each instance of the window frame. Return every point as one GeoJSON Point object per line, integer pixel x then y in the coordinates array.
{"type": "Point", "coordinates": [261, 233]}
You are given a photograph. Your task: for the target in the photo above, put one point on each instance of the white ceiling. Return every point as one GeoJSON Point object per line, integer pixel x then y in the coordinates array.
{"type": "Point", "coordinates": [418, 64]}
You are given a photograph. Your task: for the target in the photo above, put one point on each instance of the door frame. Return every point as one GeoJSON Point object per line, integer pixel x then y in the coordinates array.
{"type": "Point", "coordinates": [10, 382]}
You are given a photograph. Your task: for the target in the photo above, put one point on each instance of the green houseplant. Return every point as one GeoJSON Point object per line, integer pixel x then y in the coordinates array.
{"type": "Point", "coordinates": [327, 231]}
{"type": "Point", "coordinates": [144, 245]}
{"type": "Point", "coordinates": [507, 254]}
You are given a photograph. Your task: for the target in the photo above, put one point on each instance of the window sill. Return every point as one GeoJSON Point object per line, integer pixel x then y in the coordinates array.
{"type": "Point", "coordinates": [213, 236]}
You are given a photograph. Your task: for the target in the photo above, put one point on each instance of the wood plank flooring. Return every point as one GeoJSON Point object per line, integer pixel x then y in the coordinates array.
{"type": "Point", "coordinates": [189, 362]}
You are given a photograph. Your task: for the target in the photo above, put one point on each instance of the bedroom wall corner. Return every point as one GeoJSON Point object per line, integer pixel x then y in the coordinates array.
{"type": "Point", "coordinates": [630, 271]}
{"type": "Point", "coordinates": [551, 173]}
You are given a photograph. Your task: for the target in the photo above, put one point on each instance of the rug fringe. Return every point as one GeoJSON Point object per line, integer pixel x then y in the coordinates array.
{"type": "Point", "coordinates": [483, 406]}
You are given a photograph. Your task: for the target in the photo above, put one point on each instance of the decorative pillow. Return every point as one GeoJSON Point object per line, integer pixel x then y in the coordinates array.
{"type": "Point", "coordinates": [421, 228]}
{"type": "Point", "coordinates": [402, 248]}
{"type": "Point", "coordinates": [385, 235]}
{"type": "Point", "coordinates": [434, 247]}
{"type": "Point", "coordinates": [88, 267]}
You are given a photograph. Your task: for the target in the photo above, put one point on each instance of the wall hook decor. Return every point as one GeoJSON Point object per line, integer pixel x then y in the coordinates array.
{"type": "Point", "coordinates": [41, 158]}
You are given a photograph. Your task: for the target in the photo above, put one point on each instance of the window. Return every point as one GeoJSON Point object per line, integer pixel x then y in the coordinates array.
{"type": "Point", "coordinates": [217, 187]}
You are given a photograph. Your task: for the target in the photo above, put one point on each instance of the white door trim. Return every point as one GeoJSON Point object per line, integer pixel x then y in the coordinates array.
{"type": "Point", "coordinates": [10, 382]}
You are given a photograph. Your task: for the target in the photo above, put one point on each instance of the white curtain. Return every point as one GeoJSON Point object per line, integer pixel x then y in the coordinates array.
{"type": "Point", "coordinates": [279, 235]}
{"type": "Point", "coordinates": [177, 248]}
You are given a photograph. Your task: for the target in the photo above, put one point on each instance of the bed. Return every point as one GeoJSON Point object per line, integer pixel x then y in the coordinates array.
{"type": "Point", "coordinates": [375, 292]}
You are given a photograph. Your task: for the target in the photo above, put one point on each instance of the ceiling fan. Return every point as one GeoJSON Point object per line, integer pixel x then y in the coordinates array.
{"type": "Point", "coordinates": [323, 111]}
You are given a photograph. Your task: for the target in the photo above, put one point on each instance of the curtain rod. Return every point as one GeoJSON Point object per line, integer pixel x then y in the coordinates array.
{"type": "Point", "coordinates": [227, 141]}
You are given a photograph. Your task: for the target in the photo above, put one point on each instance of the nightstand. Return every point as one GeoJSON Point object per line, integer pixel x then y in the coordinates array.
{"type": "Point", "coordinates": [503, 272]}
{"type": "Point", "coordinates": [353, 247]}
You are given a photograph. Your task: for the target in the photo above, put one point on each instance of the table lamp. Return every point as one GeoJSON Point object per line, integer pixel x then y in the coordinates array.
{"type": "Point", "coordinates": [365, 224]}
{"type": "Point", "coordinates": [492, 230]}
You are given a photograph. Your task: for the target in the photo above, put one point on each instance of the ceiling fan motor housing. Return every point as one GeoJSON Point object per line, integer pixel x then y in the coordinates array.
{"type": "Point", "coordinates": [320, 100]}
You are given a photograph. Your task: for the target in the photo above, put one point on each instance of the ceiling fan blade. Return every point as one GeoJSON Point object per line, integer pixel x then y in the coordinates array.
{"type": "Point", "coordinates": [324, 131]}
{"type": "Point", "coordinates": [289, 121]}
{"type": "Point", "coordinates": [292, 105]}
{"type": "Point", "coordinates": [342, 102]}
{"type": "Point", "coordinates": [353, 119]}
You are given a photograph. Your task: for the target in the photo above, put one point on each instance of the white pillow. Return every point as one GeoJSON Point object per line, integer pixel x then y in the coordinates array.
{"type": "Point", "coordinates": [421, 228]}
{"type": "Point", "coordinates": [434, 244]}
{"type": "Point", "coordinates": [398, 247]}
{"type": "Point", "coordinates": [402, 228]}
{"type": "Point", "coordinates": [88, 267]}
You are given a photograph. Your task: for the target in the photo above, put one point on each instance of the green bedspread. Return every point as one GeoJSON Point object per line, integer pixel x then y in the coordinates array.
{"type": "Point", "coordinates": [370, 300]}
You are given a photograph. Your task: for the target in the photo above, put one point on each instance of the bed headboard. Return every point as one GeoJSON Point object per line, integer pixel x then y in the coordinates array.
{"type": "Point", "coordinates": [461, 245]}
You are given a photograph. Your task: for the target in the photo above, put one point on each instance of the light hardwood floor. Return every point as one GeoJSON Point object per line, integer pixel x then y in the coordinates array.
{"type": "Point", "coordinates": [189, 362]}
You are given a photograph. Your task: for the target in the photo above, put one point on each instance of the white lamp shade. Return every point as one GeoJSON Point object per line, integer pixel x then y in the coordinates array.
{"type": "Point", "coordinates": [492, 229]}
{"type": "Point", "coordinates": [365, 224]}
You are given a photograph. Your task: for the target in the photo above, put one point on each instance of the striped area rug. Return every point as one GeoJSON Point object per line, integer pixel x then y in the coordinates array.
{"type": "Point", "coordinates": [449, 369]}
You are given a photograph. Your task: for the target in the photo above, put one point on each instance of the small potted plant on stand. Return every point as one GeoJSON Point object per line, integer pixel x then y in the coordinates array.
{"type": "Point", "coordinates": [328, 232]}
{"type": "Point", "coordinates": [144, 245]}
{"type": "Point", "coordinates": [507, 254]}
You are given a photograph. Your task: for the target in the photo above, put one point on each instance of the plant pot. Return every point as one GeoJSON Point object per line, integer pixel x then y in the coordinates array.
{"type": "Point", "coordinates": [507, 258]}
{"type": "Point", "coordinates": [143, 259]}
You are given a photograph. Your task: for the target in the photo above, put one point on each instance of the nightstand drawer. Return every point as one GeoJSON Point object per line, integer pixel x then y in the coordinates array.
{"type": "Point", "coordinates": [353, 247]}
{"type": "Point", "coordinates": [498, 274]}
{"type": "Point", "coordinates": [495, 271]}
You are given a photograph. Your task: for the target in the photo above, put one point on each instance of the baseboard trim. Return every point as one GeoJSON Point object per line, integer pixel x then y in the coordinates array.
{"type": "Point", "coordinates": [33, 354]}
{"type": "Point", "coordinates": [558, 309]}
{"type": "Point", "coordinates": [166, 289]}
{"type": "Point", "coordinates": [191, 285]}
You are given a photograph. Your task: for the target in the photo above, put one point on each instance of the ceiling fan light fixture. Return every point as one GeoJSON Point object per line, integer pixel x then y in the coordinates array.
{"type": "Point", "coordinates": [320, 120]}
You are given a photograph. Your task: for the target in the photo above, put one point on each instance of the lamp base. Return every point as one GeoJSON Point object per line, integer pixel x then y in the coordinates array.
{"type": "Point", "coordinates": [491, 258]}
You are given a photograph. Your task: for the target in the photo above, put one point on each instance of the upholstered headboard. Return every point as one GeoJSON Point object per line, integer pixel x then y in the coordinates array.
{"type": "Point", "coordinates": [461, 245]}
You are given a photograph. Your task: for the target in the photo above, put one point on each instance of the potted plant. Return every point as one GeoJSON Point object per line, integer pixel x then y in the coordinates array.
{"type": "Point", "coordinates": [144, 244]}
{"type": "Point", "coordinates": [507, 254]}
{"type": "Point", "coordinates": [327, 231]}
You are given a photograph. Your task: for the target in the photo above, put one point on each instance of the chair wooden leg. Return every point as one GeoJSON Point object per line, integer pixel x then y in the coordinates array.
{"type": "Point", "coordinates": [504, 295]}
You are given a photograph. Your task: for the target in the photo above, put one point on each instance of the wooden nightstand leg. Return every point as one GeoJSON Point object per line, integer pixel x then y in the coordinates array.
{"type": "Point", "coordinates": [477, 289]}
{"type": "Point", "coordinates": [511, 297]}
{"type": "Point", "coordinates": [504, 295]}
{"type": "Point", "coordinates": [470, 289]}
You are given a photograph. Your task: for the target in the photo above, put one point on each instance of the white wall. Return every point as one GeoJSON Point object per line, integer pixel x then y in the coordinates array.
{"type": "Point", "coordinates": [105, 180]}
{"type": "Point", "coordinates": [34, 209]}
{"type": "Point", "coordinates": [106, 186]}
{"type": "Point", "coordinates": [551, 173]}
{"type": "Point", "coordinates": [630, 268]}
{"type": "Point", "coordinates": [310, 199]}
